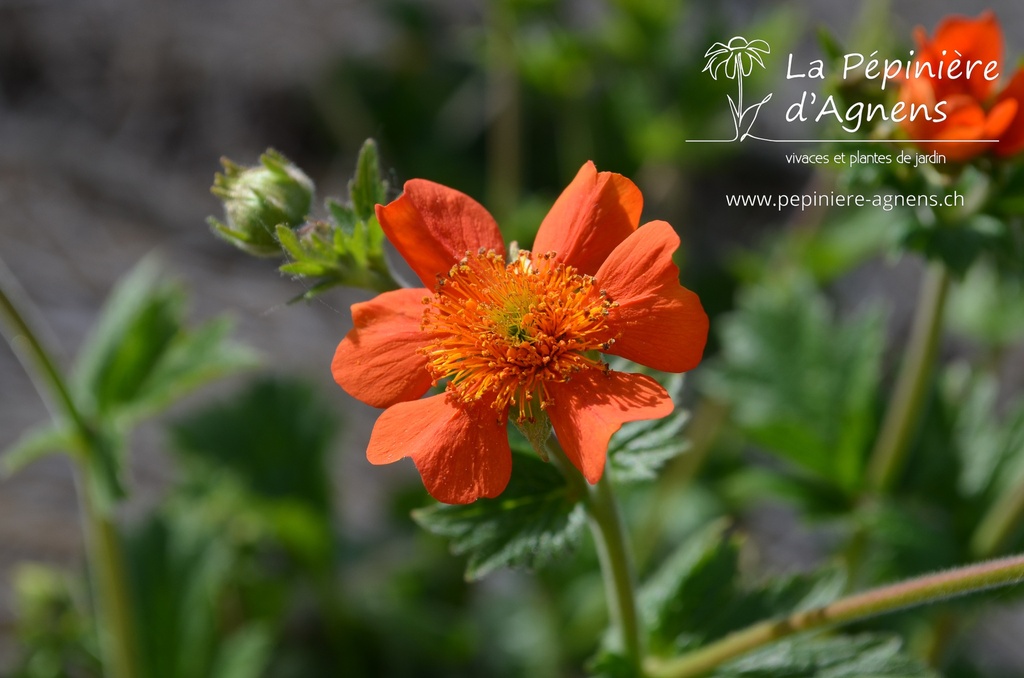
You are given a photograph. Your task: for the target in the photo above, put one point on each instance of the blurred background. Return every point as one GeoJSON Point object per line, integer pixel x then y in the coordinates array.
{"type": "Point", "coordinates": [114, 113]}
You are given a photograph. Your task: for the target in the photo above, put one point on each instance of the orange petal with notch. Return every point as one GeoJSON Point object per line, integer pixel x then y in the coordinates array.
{"type": "Point", "coordinates": [596, 212]}
{"type": "Point", "coordinates": [378, 360]}
{"type": "Point", "coordinates": [658, 322]}
{"type": "Point", "coordinates": [593, 405]}
{"type": "Point", "coordinates": [461, 451]}
{"type": "Point", "coordinates": [433, 226]}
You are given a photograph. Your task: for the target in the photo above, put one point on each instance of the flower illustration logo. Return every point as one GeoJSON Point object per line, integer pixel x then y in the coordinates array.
{"type": "Point", "coordinates": [736, 60]}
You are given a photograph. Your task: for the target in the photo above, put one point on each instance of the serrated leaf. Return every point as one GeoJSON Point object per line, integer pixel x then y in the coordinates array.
{"type": "Point", "coordinates": [36, 443]}
{"type": "Point", "coordinates": [639, 449]}
{"type": "Point", "coordinates": [862, 656]}
{"type": "Point", "coordinates": [800, 383]}
{"type": "Point", "coordinates": [366, 189]}
{"type": "Point", "coordinates": [193, 358]}
{"type": "Point", "coordinates": [534, 520]}
{"type": "Point", "coordinates": [698, 595]}
{"type": "Point", "coordinates": [685, 599]}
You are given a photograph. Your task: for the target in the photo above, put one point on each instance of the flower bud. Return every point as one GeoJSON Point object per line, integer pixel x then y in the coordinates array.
{"type": "Point", "coordinates": [257, 199]}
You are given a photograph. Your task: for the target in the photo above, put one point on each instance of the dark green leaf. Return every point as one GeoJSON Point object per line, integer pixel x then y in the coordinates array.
{"type": "Point", "coordinates": [139, 321]}
{"type": "Point", "coordinates": [533, 521]}
{"type": "Point", "coordinates": [367, 190]}
{"type": "Point", "coordinates": [104, 468]}
{"type": "Point", "coordinates": [177, 576]}
{"type": "Point", "coordinates": [687, 599]}
{"type": "Point", "coordinates": [273, 436]}
{"type": "Point", "coordinates": [799, 383]}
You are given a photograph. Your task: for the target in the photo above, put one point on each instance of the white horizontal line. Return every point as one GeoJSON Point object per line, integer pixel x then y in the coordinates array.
{"type": "Point", "coordinates": [849, 141]}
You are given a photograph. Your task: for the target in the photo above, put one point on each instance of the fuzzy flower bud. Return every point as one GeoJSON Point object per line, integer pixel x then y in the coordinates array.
{"type": "Point", "coordinates": [257, 199]}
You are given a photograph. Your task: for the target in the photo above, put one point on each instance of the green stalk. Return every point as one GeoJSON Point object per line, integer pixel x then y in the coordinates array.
{"type": "Point", "coordinates": [927, 589]}
{"type": "Point", "coordinates": [1000, 523]}
{"type": "Point", "coordinates": [904, 412]}
{"type": "Point", "coordinates": [115, 617]}
{"type": "Point", "coordinates": [610, 537]}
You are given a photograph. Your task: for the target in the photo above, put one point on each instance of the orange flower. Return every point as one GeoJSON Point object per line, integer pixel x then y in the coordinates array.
{"type": "Point", "coordinates": [972, 109]}
{"type": "Point", "coordinates": [521, 336]}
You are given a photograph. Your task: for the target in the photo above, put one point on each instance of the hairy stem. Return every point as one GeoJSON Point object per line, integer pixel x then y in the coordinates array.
{"type": "Point", "coordinates": [911, 388]}
{"type": "Point", "coordinates": [927, 589]}
{"type": "Point", "coordinates": [610, 537]}
{"type": "Point", "coordinates": [106, 564]}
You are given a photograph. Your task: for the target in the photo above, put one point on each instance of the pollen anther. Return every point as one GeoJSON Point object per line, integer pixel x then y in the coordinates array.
{"type": "Point", "coordinates": [504, 331]}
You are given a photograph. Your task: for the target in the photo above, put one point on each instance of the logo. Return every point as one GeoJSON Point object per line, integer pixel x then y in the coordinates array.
{"type": "Point", "coordinates": [735, 60]}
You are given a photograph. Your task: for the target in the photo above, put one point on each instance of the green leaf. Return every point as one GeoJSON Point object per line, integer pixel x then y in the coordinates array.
{"type": "Point", "coordinates": [698, 593]}
{"type": "Point", "coordinates": [367, 190]}
{"type": "Point", "coordinates": [988, 306]}
{"type": "Point", "coordinates": [640, 448]}
{"type": "Point", "coordinates": [179, 569]}
{"type": "Point", "coordinates": [800, 383]}
{"type": "Point", "coordinates": [38, 442]}
{"type": "Point", "coordinates": [104, 468]}
{"type": "Point", "coordinates": [191, 360]}
{"type": "Point", "coordinates": [274, 437]}
{"type": "Point", "coordinates": [686, 600]}
{"type": "Point", "coordinates": [535, 519]}
{"type": "Point", "coordinates": [244, 654]}
{"type": "Point", "coordinates": [138, 323]}
{"type": "Point", "coordinates": [862, 656]}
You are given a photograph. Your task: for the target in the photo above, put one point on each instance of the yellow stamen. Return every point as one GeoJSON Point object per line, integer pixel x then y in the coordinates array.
{"type": "Point", "coordinates": [504, 331]}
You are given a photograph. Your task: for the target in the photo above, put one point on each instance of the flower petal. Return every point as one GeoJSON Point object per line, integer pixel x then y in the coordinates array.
{"type": "Point", "coordinates": [377, 361]}
{"type": "Point", "coordinates": [594, 214]}
{"type": "Point", "coordinates": [659, 322]}
{"type": "Point", "coordinates": [593, 405]}
{"type": "Point", "coordinates": [1012, 140]}
{"type": "Point", "coordinates": [969, 39]}
{"type": "Point", "coordinates": [433, 226]}
{"type": "Point", "coordinates": [461, 451]}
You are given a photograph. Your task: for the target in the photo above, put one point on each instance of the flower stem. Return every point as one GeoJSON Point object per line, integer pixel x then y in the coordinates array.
{"type": "Point", "coordinates": [106, 566]}
{"type": "Point", "coordinates": [926, 589]}
{"type": "Point", "coordinates": [908, 398]}
{"type": "Point", "coordinates": [610, 537]}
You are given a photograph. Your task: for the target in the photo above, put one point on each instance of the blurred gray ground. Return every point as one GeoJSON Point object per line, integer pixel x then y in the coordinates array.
{"type": "Point", "coordinates": [112, 116]}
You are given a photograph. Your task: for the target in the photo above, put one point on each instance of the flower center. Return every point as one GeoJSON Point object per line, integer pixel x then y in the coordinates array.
{"type": "Point", "coordinates": [505, 331]}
